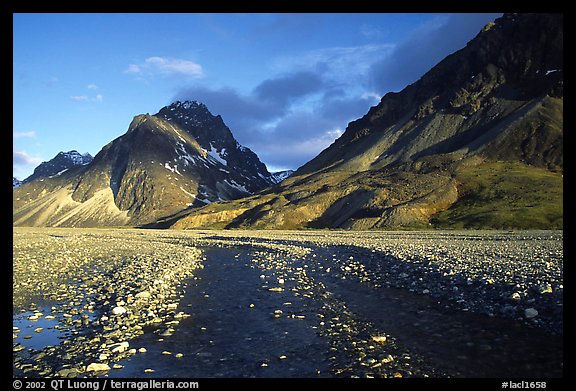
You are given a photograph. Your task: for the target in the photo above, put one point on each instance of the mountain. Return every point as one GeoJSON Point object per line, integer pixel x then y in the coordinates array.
{"type": "Point", "coordinates": [183, 156]}
{"type": "Point", "coordinates": [16, 182]}
{"type": "Point", "coordinates": [476, 142]}
{"type": "Point", "coordinates": [58, 164]}
{"type": "Point", "coordinates": [279, 176]}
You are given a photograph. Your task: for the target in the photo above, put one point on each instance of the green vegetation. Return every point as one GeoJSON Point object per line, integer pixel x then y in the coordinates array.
{"type": "Point", "coordinates": [505, 195]}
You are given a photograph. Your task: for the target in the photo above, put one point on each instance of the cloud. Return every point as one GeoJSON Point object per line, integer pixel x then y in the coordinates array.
{"type": "Point", "coordinates": [286, 88]}
{"type": "Point", "coordinates": [423, 49]}
{"type": "Point", "coordinates": [22, 158]}
{"type": "Point", "coordinates": [165, 66]}
{"type": "Point", "coordinates": [28, 134]}
{"type": "Point", "coordinates": [287, 120]}
{"type": "Point", "coordinates": [371, 31]}
{"type": "Point", "coordinates": [335, 60]}
{"type": "Point", "coordinates": [79, 98]}
{"type": "Point", "coordinates": [98, 98]}
{"type": "Point", "coordinates": [92, 86]}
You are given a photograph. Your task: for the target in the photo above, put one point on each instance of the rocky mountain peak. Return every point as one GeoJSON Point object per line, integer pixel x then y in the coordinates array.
{"type": "Point", "coordinates": [59, 164]}
{"type": "Point", "coordinates": [195, 118]}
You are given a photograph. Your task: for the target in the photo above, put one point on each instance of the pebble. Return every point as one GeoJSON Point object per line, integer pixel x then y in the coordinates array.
{"type": "Point", "coordinates": [530, 313]}
{"type": "Point", "coordinates": [118, 310]}
{"type": "Point", "coordinates": [97, 367]}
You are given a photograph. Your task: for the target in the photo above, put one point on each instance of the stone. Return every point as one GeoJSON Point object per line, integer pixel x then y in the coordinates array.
{"type": "Point", "coordinates": [545, 288]}
{"type": "Point", "coordinates": [142, 350]}
{"type": "Point", "coordinates": [119, 310]}
{"type": "Point", "coordinates": [68, 372]}
{"type": "Point", "coordinates": [143, 295]}
{"type": "Point", "coordinates": [530, 313]}
{"type": "Point", "coordinates": [119, 347]}
{"type": "Point", "coordinates": [96, 367]}
{"type": "Point", "coordinates": [516, 296]}
{"type": "Point", "coordinates": [379, 338]}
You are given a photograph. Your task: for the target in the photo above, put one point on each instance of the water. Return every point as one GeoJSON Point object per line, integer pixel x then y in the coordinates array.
{"type": "Point", "coordinates": [226, 336]}
{"type": "Point", "coordinates": [232, 331]}
{"type": "Point", "coordinates": [27, 337]}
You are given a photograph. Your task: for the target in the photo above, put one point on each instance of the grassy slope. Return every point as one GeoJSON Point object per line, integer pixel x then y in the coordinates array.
{"type": "Point", "coordinates": [505, 195]}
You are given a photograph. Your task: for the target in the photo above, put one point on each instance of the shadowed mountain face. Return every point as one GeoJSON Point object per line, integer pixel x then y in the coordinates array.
{"type": "Point", "coordinates": [165, 163]}
{"type": "Point", "coordinates": [476, 142]}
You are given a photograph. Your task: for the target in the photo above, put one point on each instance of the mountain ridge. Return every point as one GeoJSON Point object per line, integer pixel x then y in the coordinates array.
{"type": "Point", "coordinates": [416, 154]}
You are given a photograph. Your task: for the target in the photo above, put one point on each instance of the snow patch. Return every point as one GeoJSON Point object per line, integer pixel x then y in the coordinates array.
{"type": "Point", "coordinates": [173, 169]}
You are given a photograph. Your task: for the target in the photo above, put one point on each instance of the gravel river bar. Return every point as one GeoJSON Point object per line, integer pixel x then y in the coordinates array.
{"type": "Point", "coordinates": [166, 303]}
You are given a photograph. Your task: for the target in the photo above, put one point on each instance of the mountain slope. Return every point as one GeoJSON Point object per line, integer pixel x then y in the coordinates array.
{"type": "Point", "coordinates": [157, 168]}
{"type": "Point", "coordinates": [419, 156]}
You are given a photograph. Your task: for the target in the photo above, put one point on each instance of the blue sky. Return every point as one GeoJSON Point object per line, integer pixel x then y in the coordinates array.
{"type": "Point", "coordinates": [285, 84]}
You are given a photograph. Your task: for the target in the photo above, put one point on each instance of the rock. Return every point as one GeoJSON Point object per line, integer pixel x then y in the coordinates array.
{"type": "Point", "coordinates": [178, 355]}
{"type": "Point", "coordinates": [143, 295]}
{"type": "Point", "coordinates": [103, 357]}
{"type": "Point", "coordinates": [148, 370]}
{"type": "Point", "coordinates": [119, 347]}
{"type": "Point", "coordinates": [117, 366]}
{"type": "Point", "coordinates": [142, 350]}
{"type": "Point", "coordinates": [118, 310]}
{"type": "Point", "coordinates": [68, 372]}
{"type": "Point", "coordinates": [38, 329]}
{"type": "Point", "coordinates": [379, 339]}
{"type": "Point", "coordinates": [545, 288]}
{"type": "Point", "coordinates": [516, 296]}
{"type": "Point", "coordinates": [96, 367]}
{"type": "Point", "coordinates": [530, 313]}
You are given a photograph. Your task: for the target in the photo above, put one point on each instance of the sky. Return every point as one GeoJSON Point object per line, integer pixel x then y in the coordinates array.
{"type": "Point", "coordinates": [286, 85]}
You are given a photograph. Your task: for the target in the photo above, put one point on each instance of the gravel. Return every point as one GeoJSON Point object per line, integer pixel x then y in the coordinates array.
{"type": "Point", "coordinates": [83, 296]}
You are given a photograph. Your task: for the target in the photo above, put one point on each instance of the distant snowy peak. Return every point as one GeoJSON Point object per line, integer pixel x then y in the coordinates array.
{"type": "Point", "coordinates": [75, 158]}
{"type": "Point", "coordinates": [279, 176]}
{"type": "Point", "coordinates": [60, 164]}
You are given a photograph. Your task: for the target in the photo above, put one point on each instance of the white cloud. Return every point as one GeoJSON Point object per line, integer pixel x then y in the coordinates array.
{"type": "Point", "coordinates": [29, 134]}
{"type": "Point", "coordinates": [85, 98]}
{"type": "Point", "coordinates": [166, 67]}
{"type": "Point", "coordinates": [371, 31]}
{"type": "Point", "coordinates": [371, 95]}
{"type": "Point", "coordinates": [92, 86]}
{"type": "Point", "coordinates": [22, 158]}
{"type": "Point", "coordinates": [340, 59]}
{"type": "Point", "coordinates": [133, 68]}
{"type": "Point", "coordinates": [79, 98]}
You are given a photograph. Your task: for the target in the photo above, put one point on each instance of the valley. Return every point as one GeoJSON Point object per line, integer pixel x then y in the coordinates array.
{"type": "Point", "coordinates": [154, 303]}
